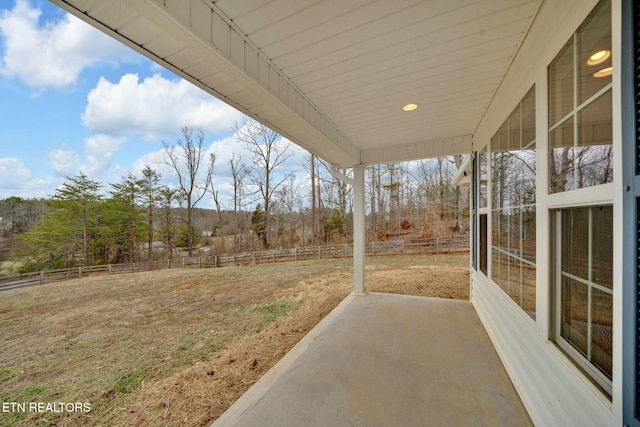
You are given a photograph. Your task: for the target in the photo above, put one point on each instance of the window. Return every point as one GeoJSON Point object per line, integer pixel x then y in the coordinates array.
{"type": "Point", "coordinates": [483, 243]}
{"type": "Point", "coordinates": [580, 156]}
{"type": "Point", "coordinates": [513, 214]}
{"type": "Point", "coordinates": [483, 172]}
{"type": "Point", "coordinates": [583, 282]}
{"type": "Point", "coordinates": [474, 212]}
{"type": "Point", "coordinates": [580, 135]}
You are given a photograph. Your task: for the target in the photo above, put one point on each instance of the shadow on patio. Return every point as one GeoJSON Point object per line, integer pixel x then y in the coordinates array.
{"type": "Point", "coordinates": [386, 360]}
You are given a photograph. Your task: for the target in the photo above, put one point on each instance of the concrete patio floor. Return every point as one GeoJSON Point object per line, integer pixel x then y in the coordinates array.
{"type": "Point", "coordinates": [386, 360]}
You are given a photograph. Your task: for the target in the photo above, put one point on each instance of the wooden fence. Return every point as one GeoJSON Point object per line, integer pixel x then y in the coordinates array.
{"type": "Point", "coordinates": [416, 246]}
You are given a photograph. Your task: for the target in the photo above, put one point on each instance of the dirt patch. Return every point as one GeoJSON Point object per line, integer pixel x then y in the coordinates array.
{"type": "Point", "coordinates": [185, 286]}
{"type": "Point", "coordinates": [444, 276]}
{"type": "Point", "coordinates": [178, 347]}
{"type": "Point", "coordinates": [200, 394]}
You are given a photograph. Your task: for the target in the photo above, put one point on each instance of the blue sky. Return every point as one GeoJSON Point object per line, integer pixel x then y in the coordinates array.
{"type": "Point", "coordinates": [74, 100]}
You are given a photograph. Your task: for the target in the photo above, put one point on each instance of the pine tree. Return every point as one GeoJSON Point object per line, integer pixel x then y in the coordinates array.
{"type": "Point", "coordinates": [151, 196]}
{"type": "Point", "coordinates": [128, 194]}
{"type": "Point", "coordinates": [79, 198]}
{"type": "Point", "coordinates": [257, 222]}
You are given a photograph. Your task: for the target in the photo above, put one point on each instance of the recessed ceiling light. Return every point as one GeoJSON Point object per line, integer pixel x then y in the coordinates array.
{"type": "Point", "coordinates": [410, 107]}
{"type": "Point", "coordinates": [605, 72]}
{"type": "Point", "coordinates": [599, 57]}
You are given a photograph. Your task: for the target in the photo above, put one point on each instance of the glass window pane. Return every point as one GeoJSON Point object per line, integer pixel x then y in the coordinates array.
{"type": "Point", "coordinates": [527, 159]}
{"type": "Point", "coordinates": [514, 281]}
{"type": "Point", "coordinates": [574, 313]}
{"type": "Point", "coordinates": [514, 128]}
{"type": "Point", "coordinates": [483, 166]}
{"type": "Point", "coordinates": [602, 247]}
{"type": "Point", "coordinates": [593, 52]}
{"type": "Point", "coordinates": [601, 331]}
{"type": "Point", "coordinates": [561, 84]}
{"type": "Point", "coordinates": [529, 234]}
{"type": "Point", "coordinates": [482, 223]}
{"type": "Point", "coordinates": [498, 179]}
{"type": "Point", "coordinates": [529, 289]}
{"type": "Point", "coordinates": [561, 142]}
{"type": "Point", "coordinates": [575, 229]}
{"type": "Point", "coordinates": [586, 288]}
{"type": "Point", "coordinates": [528, 120]}
{"type": "Point", "coordinates": [594, 158]}
{"type": "Point", "coordinates": [580, 111]}
{"type": "Point", "coordinates": [496, 266]}
{"type": "Point", "coordinates": [513, 177]}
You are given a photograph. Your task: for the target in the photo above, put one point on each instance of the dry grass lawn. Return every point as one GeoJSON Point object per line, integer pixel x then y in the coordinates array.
{"type": "Point", "coordinates": [178, 347]}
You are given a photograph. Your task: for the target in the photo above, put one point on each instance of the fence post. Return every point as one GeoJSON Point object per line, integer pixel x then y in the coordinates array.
{"type": "Point", "coordinates": [295, 253]}
{"type": "Point", "coordinates": [373, 248]}
{"type": "Point", "coordinates": [183, 262]}
{"type": "Point", "coordinates": [199, 262]}
{"type": "Point", "coordinates": [133, 267]}
{"type": "Point", "coordinates": [79, 272]}
{"type": "Point", "coordinates": [402, 246]}
{"type": "Point", "coordinates": [235, 259]}
{"type": "Point", "coordinates": [216, 261]}
{"type": "Point", "coordinates": [437, 245]}
{"type": "Point", "coordinates": [41, 277]}
{"type": "Point", "coordinates": [109, 269]}
{"type": "Point", "coordinates": [346, 251]}
{"type": "Point", "coordinates": [169, 264]}
{"type": "Point", "coordinates": [319, 252]}
{"type": "Point", "coordinates": [273, 256]}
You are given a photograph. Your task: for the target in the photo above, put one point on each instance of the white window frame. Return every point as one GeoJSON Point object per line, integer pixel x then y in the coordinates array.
{"type": "Point", "coordinates": [583, 362]}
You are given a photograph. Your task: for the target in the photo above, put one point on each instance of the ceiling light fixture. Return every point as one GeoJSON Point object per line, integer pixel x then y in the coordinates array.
{"type": "Point", "coordinates": [605, 72]}
{"type": "Point", "coordinates": [599, 57]}
{"type": "Point", "coordinates": [410, 107]}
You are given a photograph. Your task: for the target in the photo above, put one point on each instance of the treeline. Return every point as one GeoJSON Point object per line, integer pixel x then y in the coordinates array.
{"type": "Point", "coordinates": [86, 222]}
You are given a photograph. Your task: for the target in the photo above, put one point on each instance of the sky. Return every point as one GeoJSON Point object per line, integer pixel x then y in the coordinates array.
{"type": "Point", "coordinates": [73, 100]}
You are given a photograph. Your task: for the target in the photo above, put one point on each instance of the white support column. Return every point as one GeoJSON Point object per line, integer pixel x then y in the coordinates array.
{"type": "Point", "coordinates": [358, 230]}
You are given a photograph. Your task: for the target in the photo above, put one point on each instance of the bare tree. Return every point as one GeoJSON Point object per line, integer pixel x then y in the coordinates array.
{"type": "Point", "coordinates": [215, 193]}
{"type": "Point", "coordinates": [268, 152]}
{"type": "Point", "coordinates": [313, 198]}
{"type": "Point", "coordinates": [238, 173]}
{"type": "Point", "coordinates": [186, 158]}
{"type": "Point", "coordinates": [288, 200]}
{"type": "Point", "coordinates": [462, 200]}
{"type": "Point", "coordinates": [167, 197]}
{"type": "Point", "coordinates": [376, 200]}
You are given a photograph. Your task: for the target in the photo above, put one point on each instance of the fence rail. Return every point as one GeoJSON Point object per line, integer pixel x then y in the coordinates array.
{"type": "Point", "coordinates": [416, 246]}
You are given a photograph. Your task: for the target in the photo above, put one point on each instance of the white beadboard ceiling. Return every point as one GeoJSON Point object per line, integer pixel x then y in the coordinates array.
{"type": "Point", "coordinates": [333, 75]}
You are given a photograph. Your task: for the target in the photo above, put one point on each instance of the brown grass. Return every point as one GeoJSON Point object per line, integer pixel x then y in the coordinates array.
{"type": "Point", "coordinates": [178, 347]}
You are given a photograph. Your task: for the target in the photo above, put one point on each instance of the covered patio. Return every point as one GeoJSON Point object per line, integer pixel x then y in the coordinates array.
{"type": "Point", "coordinates": [514, 86]}
{"type": "Point", "coordinates": [386, 360]}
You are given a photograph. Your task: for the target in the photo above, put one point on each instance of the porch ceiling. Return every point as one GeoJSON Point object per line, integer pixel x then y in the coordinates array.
{"type": "Point", "coordinates": [333, 75]}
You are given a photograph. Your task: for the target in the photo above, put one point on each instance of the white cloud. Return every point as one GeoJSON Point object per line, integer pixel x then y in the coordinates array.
{"type": "Point", "coordinates": [64, 162]}
{"type": "Point", "coordinates": [154, 108]}
{"type": "Point", "coordinates": [155, 160]}
{"type": "Point", "coordinates": [51, 55]}
{"type": "Point", "coordinates": [100, 150]}
{"type": "Point", "coordinates": [13, 173]}
{"type": "Point", "coordinates": [17, 180]}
